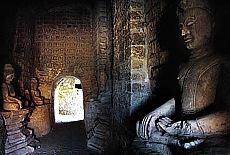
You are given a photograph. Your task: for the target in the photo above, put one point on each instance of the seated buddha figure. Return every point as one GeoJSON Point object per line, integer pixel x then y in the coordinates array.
{"type": "Point", "coordinates": [10, 101]}
{"type": "Point", "coordinates": [36, 97]}
{"type": "Point", "coordinates": [203, 108]}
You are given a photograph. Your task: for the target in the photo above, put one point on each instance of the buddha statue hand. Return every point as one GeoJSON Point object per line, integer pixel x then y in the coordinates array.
{"type": "Point", "coordinates": [188, 128]}
{"type": "Point", "coordinates": [146, 126]}
{"type": "Point", "coordinates": [192, 143]}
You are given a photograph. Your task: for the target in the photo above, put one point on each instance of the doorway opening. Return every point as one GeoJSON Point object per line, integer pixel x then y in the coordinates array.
{"type": "Point", "coordinates": [68, 100]}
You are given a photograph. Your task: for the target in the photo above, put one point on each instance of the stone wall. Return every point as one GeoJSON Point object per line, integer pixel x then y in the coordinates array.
{"type": "Point", "coordinates": [140, 55]}
{"type": "Point", "coordinates": [102, 103]}
{"type": "Point", "coordinates": [121, 72]}
{"type": "Point", "coordinates": [100, 43]}
{"type": "Point", "coordinates": [131, 88]}
{"type": "Point", "coordinates": [23, 53]}
{"type": "Point", "coordinates": [99, 109]}
{"type": "Point", "coordinates": [140, 84]}
{"type": "Point", "coordinates": [63, 46]}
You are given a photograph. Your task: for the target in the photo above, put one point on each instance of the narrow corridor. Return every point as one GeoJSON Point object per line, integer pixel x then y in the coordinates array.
{"type": "Point", "coordinates": [64, 139]}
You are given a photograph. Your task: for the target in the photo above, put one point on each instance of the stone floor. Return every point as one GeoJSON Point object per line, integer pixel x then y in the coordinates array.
{"type": "Point", "coordinates": [64, 139]}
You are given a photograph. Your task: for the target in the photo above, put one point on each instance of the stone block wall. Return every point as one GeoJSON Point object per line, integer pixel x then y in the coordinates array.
{"type": "Point", "coordinates": [99, 132]}
{"type": "Point", "coordinates": [63, 46]}
{"type": "Point", "coordinates": [157, 56]}
{"type": "Point", "coordinates": [23, 52]}
{"type": "Point", "coordinates": [121, 72]}
{"type": "Point", "coordinates": [102, 57]}
{"type": "Point", "coordinates": [100, 45]}
{"type": "Point", "coordinates": [131, 86]}
{"type": "Point", "coordinates": [140, 84]}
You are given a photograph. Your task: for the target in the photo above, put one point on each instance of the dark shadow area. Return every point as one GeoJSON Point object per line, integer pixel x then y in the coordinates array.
{"type": "Point", "coordinates": [64, 138]}
{"type": "Point", "coordinates": [170, 41]}
{"type": "Point", "coordinates": [222, 17]}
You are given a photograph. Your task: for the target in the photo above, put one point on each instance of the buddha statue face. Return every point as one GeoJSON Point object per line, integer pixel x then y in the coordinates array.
{"type": "Point", "coordinates": [9, 78]}
{"type": "Point", "coordinates": [196, 27]}
{"type": "Point", "coordinates": [8, 73]}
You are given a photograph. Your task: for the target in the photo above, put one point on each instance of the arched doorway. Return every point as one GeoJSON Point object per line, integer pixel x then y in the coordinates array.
{"type": "Point", "coordinates": [68, 100]}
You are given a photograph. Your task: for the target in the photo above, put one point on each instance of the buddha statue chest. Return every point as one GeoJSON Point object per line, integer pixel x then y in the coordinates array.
{"type": "Point", "coordinates": [198, 81]}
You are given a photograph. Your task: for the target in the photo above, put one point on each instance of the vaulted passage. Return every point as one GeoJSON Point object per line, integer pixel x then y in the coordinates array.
{"type": "Point", "coordinates": [68, 100]}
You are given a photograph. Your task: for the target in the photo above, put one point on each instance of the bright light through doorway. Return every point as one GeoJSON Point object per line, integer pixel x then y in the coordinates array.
{"type": "Point", "coordinates": [68, 100]}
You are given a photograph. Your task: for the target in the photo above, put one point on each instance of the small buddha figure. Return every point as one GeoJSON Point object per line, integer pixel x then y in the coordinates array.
{"type": "Point", "coordinates": [204, 111]}
{"type": "Point", "coordinates": [37, 99]}
{"type": "Point", "coordinates": [10, 101]}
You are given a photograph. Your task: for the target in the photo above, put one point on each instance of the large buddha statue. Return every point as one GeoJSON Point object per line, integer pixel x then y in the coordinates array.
{"type": "Point", "coordinates": [10, 101]}
{"type": "Point", "coordinates": [203, 108]}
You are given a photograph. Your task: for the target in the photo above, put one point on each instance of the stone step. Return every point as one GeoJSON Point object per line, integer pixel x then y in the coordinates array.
{"type": "Point", "coordinates": [16, 137]}
{"type": "Point", "coordinates": [9, 145]}
{"type": "Point", "coordinates": [96, 144]}
{"type": "Point", "coordinates": [12, 132]}
{"type": "Point", "coordinates": [15, 147]}
{"type": "Point", "coordinates": [13, 126]}
{"type": "Point", "coordinates": [24, 151]}
{"type": "Point", "coordinates": [100, 136]}
{"type": "Point", "coordinates": [101, 129]}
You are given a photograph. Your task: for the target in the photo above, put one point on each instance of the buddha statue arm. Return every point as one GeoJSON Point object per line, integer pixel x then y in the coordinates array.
{"type": "Point", "coordinates": [10, 101]}
{"type": "Point", "coordinates": [6, 96]}
{"type": "Point", "coordinates": [209, 125]}
{"type": "Point", "coordinates": [146, 126]}
{"type": "Point", "coordinates": [215, 124]}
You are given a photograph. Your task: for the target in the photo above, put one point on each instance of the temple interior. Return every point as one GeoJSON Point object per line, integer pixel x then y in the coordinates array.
{"type": "Point", "coordinates": [106, 63]}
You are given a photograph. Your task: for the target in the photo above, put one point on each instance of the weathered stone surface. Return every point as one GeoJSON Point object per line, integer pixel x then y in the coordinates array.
{"type": "Point", "coordinates": [39, 120]}
{"type": "Point", "coordinates": [99, 140]}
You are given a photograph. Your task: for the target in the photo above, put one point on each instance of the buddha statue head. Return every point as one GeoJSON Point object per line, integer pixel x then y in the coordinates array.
{"type": "Point", "coordinates": [8, 73]}
{"type": "Point", "coordinates": [34, 83]}
{"type": "Point", "coordinates": [196, 22]}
